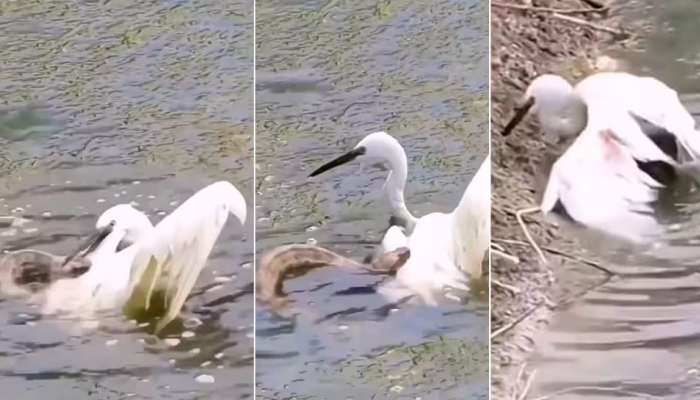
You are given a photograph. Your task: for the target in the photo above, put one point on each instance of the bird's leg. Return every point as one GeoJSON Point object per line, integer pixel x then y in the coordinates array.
{"type": "Point", "coordinates": [519, 216]}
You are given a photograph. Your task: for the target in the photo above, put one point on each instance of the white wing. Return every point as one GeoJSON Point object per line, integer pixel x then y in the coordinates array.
{"type": "Point", "coordinates": [472, 222]}
{"type": "Point", "coordinates": [445, 248]}
{"type": "Point", "coordinates": [600, 186]}
{"type": "Point", "coordinates": [647, 97]}
{"type": "Point", "coordinates": [180, 245]}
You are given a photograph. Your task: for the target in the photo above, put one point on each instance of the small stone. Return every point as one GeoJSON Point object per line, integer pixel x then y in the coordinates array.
{"type": "Point", "coordinates": [187, 334]}
{"type": "Point", "coordinates": [111, 342]}
{"type": "Point", "coordinates": [396, 389]}
{"type": "Point", "coordinates": [172, 342]}
{"type": "Point", "coordinates": [191, 323]}
{"type": "Point", "coordinates": [205, 379]}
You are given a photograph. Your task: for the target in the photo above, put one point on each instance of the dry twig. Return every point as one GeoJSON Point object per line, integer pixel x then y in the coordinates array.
{"type": "Point", "coordinates": [615, 32]}
{"type": "Point", "coordinates": [502, 254]}
{"type": "Point", "coordinates": [549, 10]}
{"type": "Point", "coordinates": [519, 378]}
{"type": "Point", "coordinates": [528, 384]}
{"type": "Point", "coordinates": [561, 253]}
{"type": "Point", "coordinates": [505, 286]}
{"type": "Point", "coordinates": [519, 217]}
{"type": "Point", "coordinates": [505, 328]}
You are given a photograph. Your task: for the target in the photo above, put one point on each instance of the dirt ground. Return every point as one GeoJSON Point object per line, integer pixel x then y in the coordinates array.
{"type": "Point", "coordinates": [526, 43]}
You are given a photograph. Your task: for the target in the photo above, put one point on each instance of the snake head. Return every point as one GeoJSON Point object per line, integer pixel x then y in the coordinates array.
{"type": "Point", "coordinates": [393, 260]}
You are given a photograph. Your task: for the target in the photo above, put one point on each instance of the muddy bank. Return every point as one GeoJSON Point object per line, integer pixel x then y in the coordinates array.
{"type": "Point", "coordinates": [528, 40]}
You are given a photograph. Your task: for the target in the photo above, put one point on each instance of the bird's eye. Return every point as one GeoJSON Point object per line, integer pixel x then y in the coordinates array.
{"type": "Point", "coordinates": [113, 223]}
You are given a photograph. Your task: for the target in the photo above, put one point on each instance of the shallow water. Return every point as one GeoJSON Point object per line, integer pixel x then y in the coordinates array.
{"type": "Point", "coordinates": [637, 335]}
{"type": "Point", "coordinates": [328, 73]}
{"type": "Point", "coordinates": [104, 103]}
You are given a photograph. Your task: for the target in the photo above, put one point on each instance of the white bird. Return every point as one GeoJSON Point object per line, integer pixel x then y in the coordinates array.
{"type": "Point", "coordinates": [632, 137]}
{"type": "Point", "coordinates": [167, 257]}
{"type": "Point", "coordinates": [564, 111]}
{"type": "Point", "coordinates": [445, 248]}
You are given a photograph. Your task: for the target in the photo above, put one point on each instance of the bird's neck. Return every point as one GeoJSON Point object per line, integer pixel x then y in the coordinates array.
{"type": "Point", "coordinates": [395, 186]}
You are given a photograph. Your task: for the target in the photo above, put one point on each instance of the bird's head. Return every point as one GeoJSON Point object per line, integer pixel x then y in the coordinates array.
{"type": "Point", "coordinates": [378, 148]}
{"type": "Point", "coordinates": [123, 221]}
{"type": "Point", "coordinates": [559, 110]}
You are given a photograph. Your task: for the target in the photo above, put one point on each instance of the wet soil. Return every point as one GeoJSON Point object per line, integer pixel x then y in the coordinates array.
{"type": "Point", "coordinates": [528, 41]}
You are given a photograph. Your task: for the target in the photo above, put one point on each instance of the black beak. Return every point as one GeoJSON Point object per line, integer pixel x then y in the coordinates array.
{"type": "Point", "coordinates": [344, 159]}
{"type": "Point", "coordinates": [90, 244]}
{"type": "Point", "coordinates": [520, 113]}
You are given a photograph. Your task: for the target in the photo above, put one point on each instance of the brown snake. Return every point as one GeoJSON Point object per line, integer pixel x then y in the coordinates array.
{"type": "Point", "coordinates": [283, 261]}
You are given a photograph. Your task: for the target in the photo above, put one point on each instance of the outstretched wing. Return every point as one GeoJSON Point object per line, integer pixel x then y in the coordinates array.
{"type": "Point", "coordinates": [472, 222]}
{"type": "Point", "coordinates": [173, 257]}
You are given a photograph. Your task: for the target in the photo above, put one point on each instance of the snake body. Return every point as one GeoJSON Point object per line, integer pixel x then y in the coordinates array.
{"type": "Point", "coordinates": [285, 261]}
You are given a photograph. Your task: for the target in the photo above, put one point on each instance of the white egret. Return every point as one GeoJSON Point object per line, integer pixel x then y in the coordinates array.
{"type": "Point", "coordinates": [564, 111]}
{"type": "Point", "coordinates": [632, 137]}
{"type": "Point", "coordinates": [445, 247]}
{"type": "Point", "coordinates": [167, 257]}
